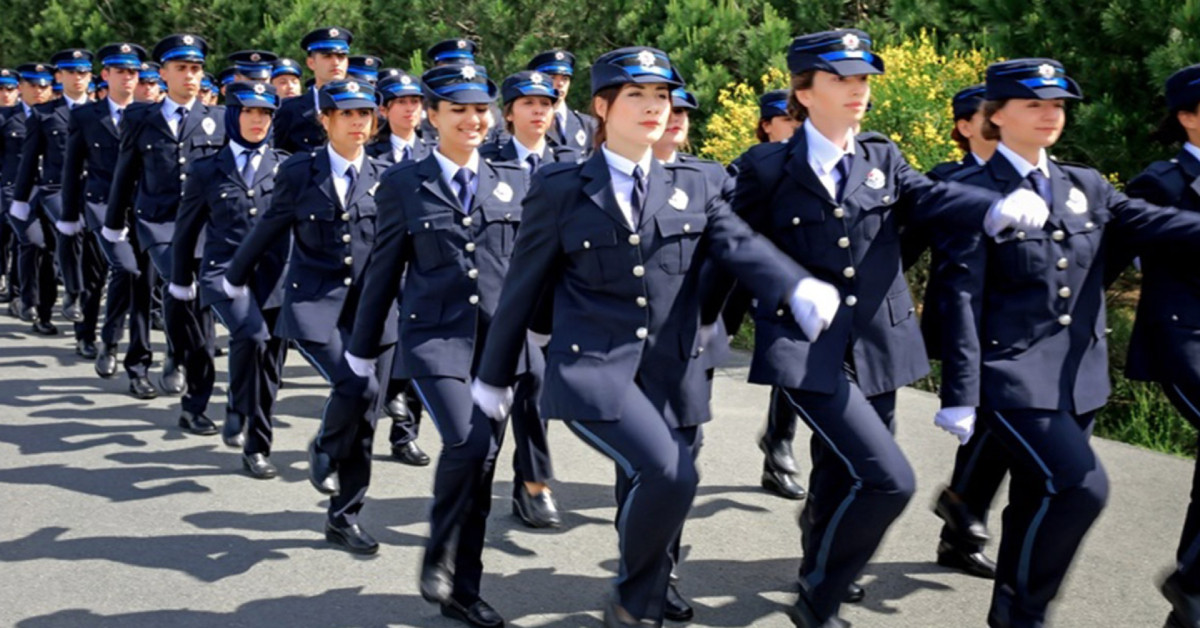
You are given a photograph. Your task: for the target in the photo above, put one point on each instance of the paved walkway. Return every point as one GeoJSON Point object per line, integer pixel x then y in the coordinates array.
{"type": "Point", "coordinates": [112, 517]}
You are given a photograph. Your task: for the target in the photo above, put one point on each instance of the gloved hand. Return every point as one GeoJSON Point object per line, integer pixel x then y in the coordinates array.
{"type": "Point", "coordinates": [182, 293]}
{"type": "Point", "coordinates": [68, 228]}
{"type": "Point", "coordinates": [362, 367]}
{"type": "Point", "coordinates": [19, 210]}
{"type": "Point", "coordinates": [706, 334]}
{"type": "Point", "coordinates": [232, 291]}
{"type": "Point", "coordinates": [958, 420]}
{"type": "Point", "coordinates": [814, 303]}
{"type": "Point", "coordinates": [114, 235]}
{"type": "Point", "coordinates": [495, 402]}
{"type": "Point", "coordinates": [539, 340]}
{"type": "Point", "coordinates": [1022, 209]}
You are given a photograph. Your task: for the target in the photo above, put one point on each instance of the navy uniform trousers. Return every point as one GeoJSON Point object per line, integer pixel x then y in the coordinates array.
{"type": "Point", "coordinates": [130, 283]}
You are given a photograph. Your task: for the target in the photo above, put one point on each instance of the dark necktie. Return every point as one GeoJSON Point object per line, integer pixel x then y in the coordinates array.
{"type": "Point", "coordinates": [465, 196]}
{"type": "Point", "coordinates": [1041, 185]}
{"type": "Point", "coordinates": [248, 168]}
{"type": "Point", "coordinates": [638, 198]}
{"type": "Point", "coordinates": [560, 129]}
{"type": "Point", "coordinates": [843, 170]}
{"type": "Point", "coordinates": [534, 160]}
{"type": "Point", "coordinates": [182, 112]}
{"type": "Point", "coordinates": [118, 117]}
{"type": "Point", "coordinates": [406, 153]}
{"type": "Point", "coordinates": [352, 178]}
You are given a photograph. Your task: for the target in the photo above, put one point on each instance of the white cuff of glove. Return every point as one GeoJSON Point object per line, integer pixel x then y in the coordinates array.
{"type": "Point", "coordinates": [495, 402]}
{"type": "Point", "coordinates": [182, 293]}
{"type": "Point", "coordinates": [19, 210]}
{"type": "Point", "coordinates": [814, 303]}
{"type": "Point", "coordinates": [706, 334]}
{"type": "Point", "coordinates": [538, 340]}
{"type": "Point", "coordinates": [232, 291]}
{"type": "Point", "coordinates": [114, 235]}
{"type": "Point", "coordinates": [68, 228]}
{"type": "Point", "coordinates": [362, 367]}
{"type": "Point", "coordinates": [958, 420]}
{"type": "Point", "coordinates": [1022, 209]}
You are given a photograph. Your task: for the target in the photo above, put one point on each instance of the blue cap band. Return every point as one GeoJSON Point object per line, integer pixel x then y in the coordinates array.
{"type": "Point", "coordinates": [244, 97]}
{"type": "Point", "coordinates": [8, 81]}
{"type": "Point", "coordinates": [365, 73]}
{"type": "Point", "coordinates": [353, 95]}
{"type": "Point", "coordinates": [130, 61]}
{"type": "Point", "coordinates": [37, 76]}
{"type": "Point", "coordinates": [556, 68]}
{"type": "Point", "coordinates": [182, 52]}
{"type": "Point", "coordinates": [455, 54]}
{"type": "Point", "coordinates": [151, 75]}
{"type": "Point", "coordinates": [460, 87]}
{"type": "Point", "coordinates": [329, 45]}
{"type": "Point", "coordinates": [399, 89]}
{"type": "Point", "coordinates": [285, 69]}
{"type": "Point", "coordinates": [1035, 83]}
{"type": "Point", "coordinates": [81, 64]}
{"type": "Point", "coordinates": [841, 55]}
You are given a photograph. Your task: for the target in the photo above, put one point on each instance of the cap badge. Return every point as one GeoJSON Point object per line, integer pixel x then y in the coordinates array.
{"type": "Point", "coordinates": [535, 78]}
{"type": "Point", "coordinates": [40, 68]}
{"type": "Point", "coordinates": [352, 87]}
{"type": "Point", "coordinates": [405, 80]}
{"type": "Point", "coordinates": [259, 88]}
{"type": "Point", "coordinates": [77, 54]}
{"type": "Point", "coordinates": [126, 48]}
{"type": "Point", "coordinates": [559, 56]}
{"type": "Point", "coordinates": [189, 40]}
{"type": "Point", "coordinates": [1046, 71]}
{"type": "Point", "coordinates": [468, 72]}
{"type": "Point", "coordinates": [850, 41]}
{"type": "Point", "coordinates": [370, 62]}
{"type": "Point", "coordinates": [333, 32]}
{"type": "Point", "coordinates": [255, 57]}
{"type": "Point", "coordinates": [462, 43]}
{"type": "Point", "coordinates": [145, 66]}
{"type": "Point", "coordinates": [646, 59]}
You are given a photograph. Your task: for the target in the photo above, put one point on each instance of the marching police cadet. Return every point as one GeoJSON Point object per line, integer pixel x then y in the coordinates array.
{"type": "Point", "coordinates": [9, 96]}
{"type": "Point", "coordinates": [159, 144]}
{"type": "Point", "coordinates": [774, 123]}
{"type": "Point", "coordinates": [398, 142]}
{"type": "Point", "coordinates": [225, 77]}
{"type": "Point", "coordinates": [37, 298]}
{"type": "Point", "coordinates": [253, 65]}
{"type": "Point", "coordinates": [222, 200]}
{"type": "Point", "coordinates": [1026, 312]}
{"type": "Point", "coordinates": [285, 78]}
{"type": "Point", "coordinates": [364, 68]}
{"type": "Point", "coordinates": [210, 92]}
{"type": "Point", "coordinates": [325, 199]}
{"type": "Point", "coordinates": [834, 202]}
{"type": "Point", "coordinates": [1163, 348]}
{"type": "Point", "coordinates": [297, 127]}
{"type": "Point", "coordinates": [616, 244]}
{"type": "Point", "coordinates": [149, 87]}
{"type": "Point", "coordinates": [56, 91]}
{"type": "Point", "coordinates": [981, 462]}
{"type": "Point", "coordinates": [461, 52]}
{"type": "Point", "coordinates": [571, 128]}
{"type": "Point", "coordinates": [447, 225]}
{"type": "Point", "coordinates": [93, 143]}
{"type": "Point", "coordinates": [101, 91]}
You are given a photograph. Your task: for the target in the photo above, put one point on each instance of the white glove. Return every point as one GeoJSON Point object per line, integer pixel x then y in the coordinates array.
{"type": "Point", "coordinates": [114, 236]}
{"type": "Point", "coordinates": [182, 293]}
{"type": "Point", "coordinates": [1022, 209]}
{"type": "Point", "coordinates": [68, 228]}
{"type": "Point", "coordinates": [19, 210]}
{"type": "Point", "coordinates": [232, 291]}
{"type": "Point", "coordinates": [958, 420]}
{"type": "Point", "coordinates": [814, 303]}
{"type": "Point", "coordinates": [706, 334]}
{"type": "Point", "coordinates": [362, 367]}
{"type": "Point", "coordinates": [539, 340]}
{"type": "Point", "coordinates": [494, 401]}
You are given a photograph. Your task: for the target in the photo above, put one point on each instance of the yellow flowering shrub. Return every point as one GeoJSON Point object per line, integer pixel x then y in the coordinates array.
{"type": "Point", "coordinates": [730, 129]}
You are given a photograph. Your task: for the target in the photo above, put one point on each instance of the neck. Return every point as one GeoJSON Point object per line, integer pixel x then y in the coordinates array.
{"type": "Point", "coordinates": [984, 150]}
{"type": "Point", "coordinates": [121, 100]}
{"type": "Point", "coordinates": [835, 132]}
{"type": "Point", "coordinates": [460, 155]}
{"type": "Point", "coordinates": [179, 99]}
{"type": "Point", "coordinates": [27, 103]}
{"type": "Point", "coordinates": [1028, 152]}
{"type": "Point", "coordinates": [1193, 138]}
{"type": "Point", "coordinates": [76, 97]}
{"type": "Point", "coordinates": [664, 153]}
{"type": "Point", "coordinates": [349, 152]}
{"type": "Point", "coordinates": [631, 151]}
{"type": "Point", "coordinates": [408, 136]}
{"type": "Point", "coordinates": [535, 142]}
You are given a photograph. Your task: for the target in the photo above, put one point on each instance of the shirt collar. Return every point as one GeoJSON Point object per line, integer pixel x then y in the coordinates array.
{"type": "Point", "coordinates": [672, 159]}
{"type": "Point", "coordinates": [822, 152]}
{"type": "Point", "coordinates": [625, 166]}
{"type": "Point", "coordinates": [524, 151]}
{"type": "Point", "coordinates": [28, 110]}
{"type": "Point", "coordinates": [113, 107]}
{"type": "Point", "coordinates": [1023, 167]}
{"type": "Point", "coordinates": [238, 149]}
{"type": "Point", "coordinates": [1193, 149]}
{"type": "Point", "coordinates": [337, 163]}
{"type": "Point", "coordinates": [449, 168]}
{"type": "Point", "coordinates": [398, 143]}
{"type": "Point", "coordinates": [76, 103]}
{"type": "Point", "coordinates": [979, 160]}
{"type": "Point", "coordinates": [170, 106]}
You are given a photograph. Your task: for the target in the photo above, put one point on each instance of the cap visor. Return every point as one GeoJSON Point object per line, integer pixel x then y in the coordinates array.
{"type": "Point", "coordinates": [1054, 93]}
{"type": "Point", "coordinates": [854, 67]}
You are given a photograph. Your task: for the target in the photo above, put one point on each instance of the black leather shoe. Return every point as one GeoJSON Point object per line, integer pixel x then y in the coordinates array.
{"type": "Point", "coordinates": [436, 585]}
{"type": "Point", "coordinates": [259, 466]}
{"type": "Point", "coordinates": [536, 511]}
{"type": "Point", "coordinates": [86, 349]}
{"type": "Point", "coordinates": [675, 607]}
{"type": "Point", "coordinates": [173, 379]}
{"type": "Point", "coordinates": [395, 407]}
{"type": "Point", "coordinates": [968, 561]}
{"type": "Point", "coordinates": [478, 614]}
{"type": "Point", "coordinates": [71, 310]}
{"type": "Point", "coordinates": [106, 361]}
{"type": "Point", "coordinates": [233, 432]}
{"type": "Point", "coordinates": [779, 455]}
{"type": "Point", "coordinates": [44, 328]}
{"type": "Point", "coordinates": [803, 616]}
{"type": "Point", "coordinates": [1174, 622]}
{"type": "Point", "coordinates": [141, 388]}
{"type": "Point", "coordinates": [197, 424]}
{"type": "Point", "coordinates": [951, 509]}
{"type": "Point", "coordinates": [320, 470]}
{"type": "Point", "coordinates": [156, 320]}
{"type": "Point", "coordinates": [855, 593]}
{"type": "Point", "coordinates": [410, 454]}
{"type": "Point", "coordinates": [782, 485]}
{"type": "Point", "coordinates": [1185, 604]}
{"type": "Point", "coordinates": [26, 314]}
{"type": "Point", "coordinates": [352, 538]}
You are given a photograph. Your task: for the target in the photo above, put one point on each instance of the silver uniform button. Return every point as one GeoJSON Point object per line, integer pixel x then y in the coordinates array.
{"type": "Point", "coordinates": [642, 332]}
{"type": "Point", "coordinates": [641, 301]}
{"type": "Point", "coordinates": [250, 193]}
{"type": "Point", "coordinates": [639, 270]}
{"type": "Point", "coordinates": [1064, 320]}
{"type": "Point", "coordinates": [467, 221]}
{"type": "Point", "coordinates": [848, 272]}
{"type": "Point", "coordinates": [851, 300]}
{"type": "Point", "coordinates": [687, 227]}
{"type": "Point", "coordinates": [1064, 292]}
{"type": "Point", "coordinates": [1020, 235]}
{"type": "Point", "coordinates": [349, 261]}
{"type": "Point", "coordinates": [347, 281]}
{"type": "Point", "coordinates": [843, 243]}
{"type": "Point", "coordinates": [183, 177]}
{"type": "Point", "coordinates": [1061, 264]}
{"type": "Point", "coordinates": [473, 273]}
{"type": "Point", "coordinates": [1089, 225]}
{"type": "Point", "coordinates": [345, 216]}
{"type": "Point", "coordinates": [253, 211]}
{"type": "Point", "coordinates": [345, 237]}
{"type": "Point", "coordinates": [779, 312]}
{"type": "Point", "coordinates": [574, 348]}
{"type": "Point", "coordinates": [587, 244]}
{"type": "Point", "coordinates": [796, 220]}
{"type": "Point", "coordinates": [412, 317]}
{"type": "Point", "coordinates": [470, 247]}
{"type": "Point", "coordinates": [1175, 317]}
{"type": "Point", "coordinates": [183, 160]}
{"type": "Point", "coordinates": [473, 299]}
{"type": "Point", "coordinates": [1058, 235]}
{"type": "Point", "coordinates": [838, 212]}
{"type": "Point", "coordinates": [312, 216]}
{"type": "Point", "coordinates": [635, 239]}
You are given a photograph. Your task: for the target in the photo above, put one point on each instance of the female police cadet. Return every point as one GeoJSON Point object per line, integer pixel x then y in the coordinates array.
{"type": "Point", "coordinates": [326, 200]}
{"type": "Point", "coordinates": [834, 202]}
{"type": "Point", "coordinates": [1165, 347]}
{"type": "Point", "coordinates": [1024, 327]}
{"type": "Point", "coordinates": [616, 244]}
{"type": "Point", "coordinates": [447, 225]}
{"type": "Point", "coordinates": [222, 201]}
